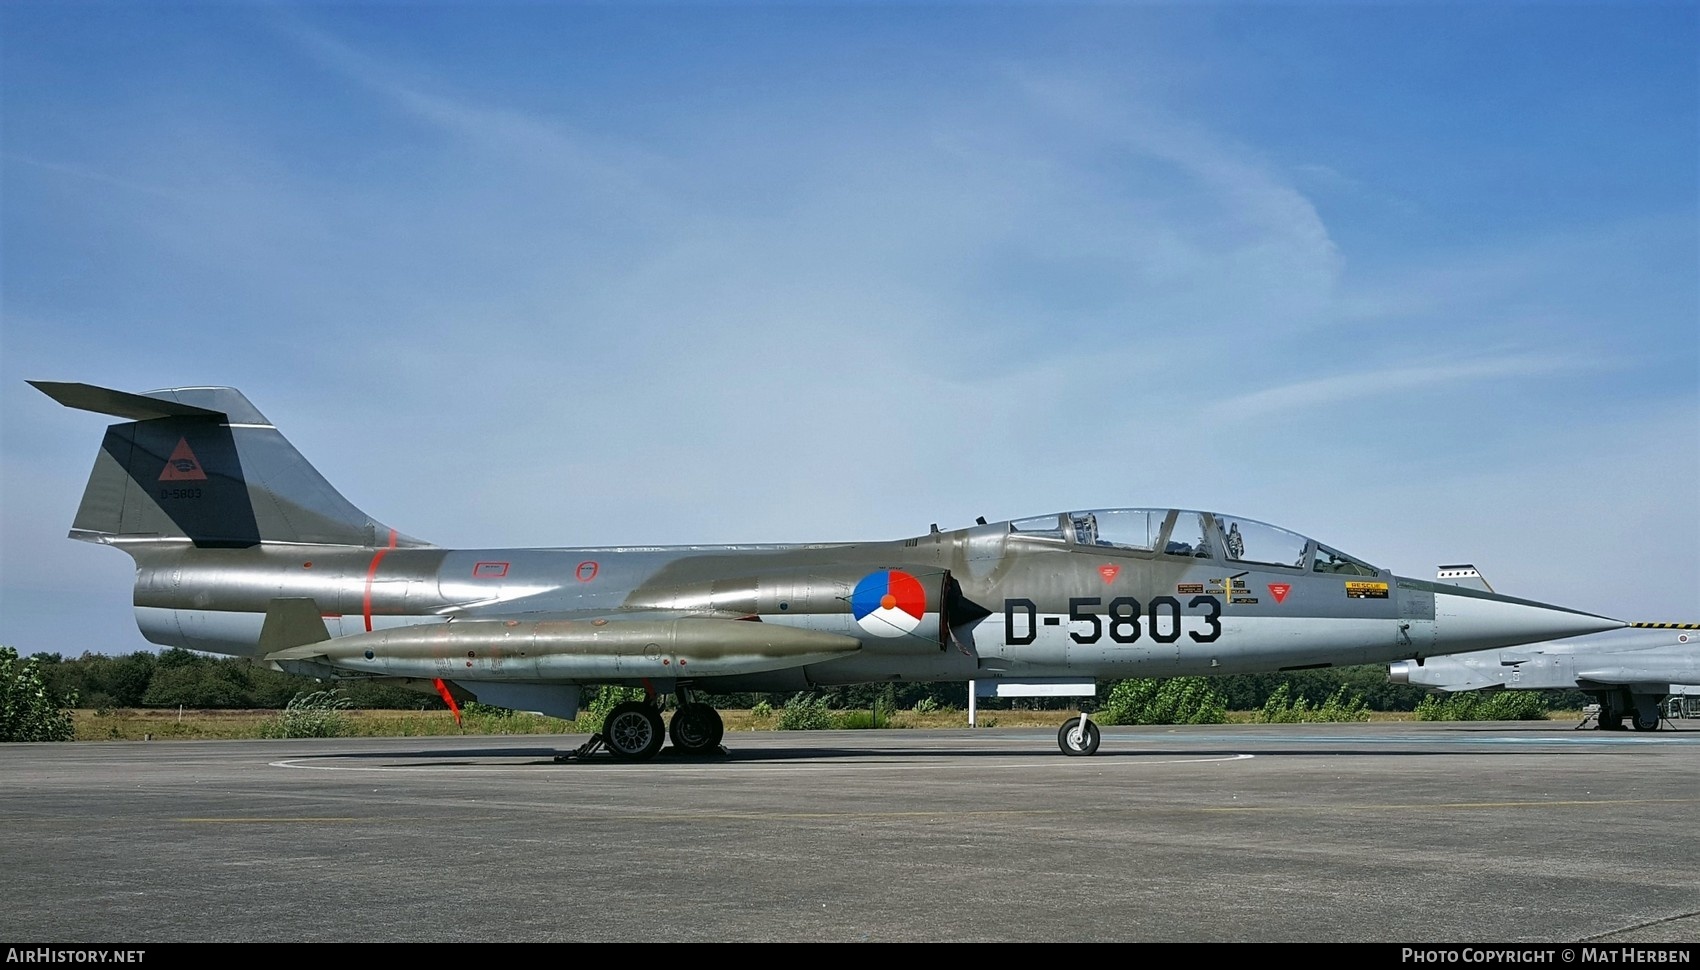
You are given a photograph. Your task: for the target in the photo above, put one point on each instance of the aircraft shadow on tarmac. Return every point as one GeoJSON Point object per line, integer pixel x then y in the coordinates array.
{"type": "Point", "coordinates": [1168, 747]}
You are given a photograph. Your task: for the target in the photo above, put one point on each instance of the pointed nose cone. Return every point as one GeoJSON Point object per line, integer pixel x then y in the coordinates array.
{"type": "Point", "coordinates": [1470, 620]}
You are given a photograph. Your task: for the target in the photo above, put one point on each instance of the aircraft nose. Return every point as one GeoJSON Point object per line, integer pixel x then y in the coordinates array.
{"type": "Point", "coordinates": [1469, 620]}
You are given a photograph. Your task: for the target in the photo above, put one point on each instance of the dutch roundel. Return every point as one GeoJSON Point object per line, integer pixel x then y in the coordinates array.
{"type": "Point", "coordinates": [889, 603]}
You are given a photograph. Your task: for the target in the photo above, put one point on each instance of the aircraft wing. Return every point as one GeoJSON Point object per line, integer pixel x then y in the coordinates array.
{"type": "Point", "coordinates": [1642, 667]}
{"type": "Point", "coordinates": [1649, 654]}
{"type": "Point", "coordinates": [1623, 676]}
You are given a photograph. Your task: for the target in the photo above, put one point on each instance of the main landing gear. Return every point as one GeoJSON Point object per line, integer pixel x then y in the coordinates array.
{"type": "Point", "coordinates": [1641, 710]}
{"type": "Point", "coordinates": [633, 731]}
{"type": "Point", "coordinates": [696, 729]}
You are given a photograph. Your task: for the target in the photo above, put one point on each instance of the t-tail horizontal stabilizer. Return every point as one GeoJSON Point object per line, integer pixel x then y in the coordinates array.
{"type": "Point", "coordinates": [203, 464]}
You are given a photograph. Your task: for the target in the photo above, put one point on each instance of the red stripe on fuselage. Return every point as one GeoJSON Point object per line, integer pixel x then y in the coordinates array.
{"type": "Point", "coordinates": [371, 573]}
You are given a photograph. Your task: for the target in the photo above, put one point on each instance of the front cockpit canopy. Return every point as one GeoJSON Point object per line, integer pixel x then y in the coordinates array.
{"type": "Point", "coordinates": [1193, 535]}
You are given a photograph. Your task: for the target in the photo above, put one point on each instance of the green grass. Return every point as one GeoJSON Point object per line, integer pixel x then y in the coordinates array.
{"type": "Point", "coordinates": [136, 724]}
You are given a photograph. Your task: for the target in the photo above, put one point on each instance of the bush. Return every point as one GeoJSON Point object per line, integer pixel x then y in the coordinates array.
{"type": "Point", "coordinates": [1175, 700]}
{"type": "Point", "coordinates": [1342, 707]}
{"type": "Point", "coordinates": [28, 711]}
{"type": "Point", "coordinates": [762, 711]}
{"type": "Point", "coordinates": [311, 715]}
{"type": "Point", "coordinates": [805, 713]}
{"type": "Point", "coordinates": [1281, 709]}
{"type": "Point", "coordinates": [855, 721]}
{"type": "Point", "coordinates": [860, 720]}
{"type": "Point", "coordinates": [476, 718]}
{"type": "Point", "coordinates": [1249, 692]}
{"type": "Point", "coordinates": [1499, 705]}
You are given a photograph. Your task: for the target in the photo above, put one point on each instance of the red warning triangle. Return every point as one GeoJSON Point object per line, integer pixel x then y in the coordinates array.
{"type": "Point", "coordinates": [1280, 591]}
{"type": "Point", "coordinates": [182, 466]}
{"type": "Point", "coordinates": [1109, 571]}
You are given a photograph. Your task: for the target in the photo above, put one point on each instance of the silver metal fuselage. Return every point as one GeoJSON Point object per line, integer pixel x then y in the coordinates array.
{"type": "Point", "coordinates": [1026, 608]}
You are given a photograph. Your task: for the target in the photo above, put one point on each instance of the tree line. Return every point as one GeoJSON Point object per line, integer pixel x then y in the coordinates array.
{"type": "Point", "coordinates": [183, 678]}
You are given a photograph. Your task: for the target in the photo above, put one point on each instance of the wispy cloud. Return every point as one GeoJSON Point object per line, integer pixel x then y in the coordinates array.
{"type": "Point", "coordinates": [1587, 270]}
{"type": "Point", "coordinates": [524, 139]}
{"type": "Point", "coordinates": [1379, 385]}
{"type": "Point", "coordinates": [1263, 240]}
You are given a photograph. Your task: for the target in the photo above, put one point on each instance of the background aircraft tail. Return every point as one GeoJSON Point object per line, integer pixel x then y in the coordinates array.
{"type": "Point", "coordinates": [201, 463]}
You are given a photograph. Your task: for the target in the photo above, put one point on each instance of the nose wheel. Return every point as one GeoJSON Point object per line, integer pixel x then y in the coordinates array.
{"type": "Point", "coordinates": [1078, 736]}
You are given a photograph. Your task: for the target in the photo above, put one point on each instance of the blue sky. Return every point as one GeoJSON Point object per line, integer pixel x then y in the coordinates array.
{"type": "Point", "coordinates": [1421, 280]}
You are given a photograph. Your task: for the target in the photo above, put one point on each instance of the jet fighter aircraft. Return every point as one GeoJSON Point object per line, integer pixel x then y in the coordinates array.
{"type": "Point", "coordinates": [242, 548]}
{"type": "Point", "coordinates": [1629, 673]}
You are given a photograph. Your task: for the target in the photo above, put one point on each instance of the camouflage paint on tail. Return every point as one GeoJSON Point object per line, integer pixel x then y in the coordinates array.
{"type": "Point", "coordinates": [203, 464]}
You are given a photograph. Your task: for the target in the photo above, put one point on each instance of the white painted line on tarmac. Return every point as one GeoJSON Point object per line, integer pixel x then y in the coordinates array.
{"type": "Point", "coordinates": [722, 767]}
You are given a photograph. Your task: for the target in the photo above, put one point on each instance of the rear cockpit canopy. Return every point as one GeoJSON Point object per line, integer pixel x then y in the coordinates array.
{"type": "Point", "coordinates": [1190, 534]}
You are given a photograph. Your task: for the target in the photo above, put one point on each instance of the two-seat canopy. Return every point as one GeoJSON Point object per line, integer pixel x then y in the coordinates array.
{"type": "Point", "coordinates": [1191, 534]}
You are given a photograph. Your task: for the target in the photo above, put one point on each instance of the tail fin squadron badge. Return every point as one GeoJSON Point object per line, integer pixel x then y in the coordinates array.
{"type": "Point", "coordinates": [182, 466]}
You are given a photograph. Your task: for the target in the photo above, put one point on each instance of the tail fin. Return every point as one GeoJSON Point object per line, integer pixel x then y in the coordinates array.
{"type": "Point", "coordinates": [201, 463]}
{"type": "Point", "coordinates": [1463, 575]}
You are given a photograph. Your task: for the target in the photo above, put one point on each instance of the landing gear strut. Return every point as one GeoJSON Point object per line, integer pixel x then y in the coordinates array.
{"type": "Point", "coordinates": [1641, 710]}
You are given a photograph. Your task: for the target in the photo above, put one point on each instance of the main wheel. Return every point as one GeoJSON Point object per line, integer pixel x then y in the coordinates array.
{"type": "Point", "coordinates": [1077, 736]}
{"type": "Point", "coordinates": [1643, 721]}
{"type": "Point", "coordinates": [633, 731]}
{"type": "Point", "coordinates": [696, 729]}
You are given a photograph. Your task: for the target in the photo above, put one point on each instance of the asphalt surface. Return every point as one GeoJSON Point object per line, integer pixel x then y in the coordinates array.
{"type": "Point", "coordinates": [1426, 834]}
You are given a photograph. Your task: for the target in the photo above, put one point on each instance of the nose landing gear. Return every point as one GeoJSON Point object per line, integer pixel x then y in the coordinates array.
{"type": "Point", "coordinates": [1078, 736]}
